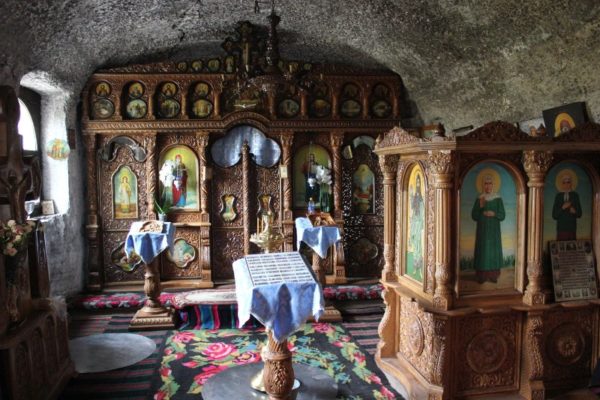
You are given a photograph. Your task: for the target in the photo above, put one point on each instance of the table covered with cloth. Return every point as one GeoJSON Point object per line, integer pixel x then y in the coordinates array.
{"type": "Point", "coordinates": [148, 245]}
{"type": "Point", "coordinates": [318, 238]}
{"type": "Point", "coordinates": [280, 307]}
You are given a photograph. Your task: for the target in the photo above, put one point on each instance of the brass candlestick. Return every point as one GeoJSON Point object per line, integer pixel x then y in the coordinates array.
{"type": "Point", "coordinates": [268, 240]}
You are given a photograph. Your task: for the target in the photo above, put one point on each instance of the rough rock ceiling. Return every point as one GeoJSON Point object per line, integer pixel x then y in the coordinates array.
{"type": "Point", "coordinates": [462, 61]}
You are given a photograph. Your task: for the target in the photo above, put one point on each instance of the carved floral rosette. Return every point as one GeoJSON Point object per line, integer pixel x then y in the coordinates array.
{"type": "Point", "coordinates": [488, 347]}
{"type": "Point", "coordinates": [416, 332]}
{"type": "Point", "coordinates": [567, 344]}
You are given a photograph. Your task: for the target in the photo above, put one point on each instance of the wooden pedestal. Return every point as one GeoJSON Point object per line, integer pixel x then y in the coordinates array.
{"type": "Point", "coordinates": [153, 315]}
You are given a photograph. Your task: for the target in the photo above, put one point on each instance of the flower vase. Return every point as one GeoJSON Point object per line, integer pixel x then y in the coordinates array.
{"type": "Point", "coordinates": [18, 293]}
{"type": "Point", "coordinates": [325, 201]}
{"type": "Point", "coordinates": [162, 217]}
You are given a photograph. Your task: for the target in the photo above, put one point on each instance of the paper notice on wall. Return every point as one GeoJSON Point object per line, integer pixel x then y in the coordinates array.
{"type": "Point", "coordinates": [573, 270]}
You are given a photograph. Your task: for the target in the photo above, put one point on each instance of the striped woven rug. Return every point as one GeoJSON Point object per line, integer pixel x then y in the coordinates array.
{"type": "Point", "coordinates": [130, 383]}
{"type": "Point", "coordinates": [363, 329]}
{"type": "Point", "coordinates": [134, 382]}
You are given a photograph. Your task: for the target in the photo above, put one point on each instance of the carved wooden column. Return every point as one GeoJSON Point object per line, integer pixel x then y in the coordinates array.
{"type": "Point", "coordinates": [386, 330]}
{"type": "Point", "coordinates": [534, 359]}
{"type": "Point", "coordinates": [397, 92]}
{"type": "Point", "coordinates": [303, 104]}
{"type": "Point", "coordinates": [335, 100]}
{"type": "Point", "coordinates": [336, 139]}
{"type": "Point", "coordinates": [278, 375]}
{"type": "Point", "coordinates": [287, 219]}
{"type": "Point", "coordinates": [365, 101]}
{"type": "Point", "coordinates": [151, 166]}
{"type": "Point", "coordinates": [202, 142]}
{"type": "Point", "coordinates": [217, 89]}
{"type": "Point", "coordinates": [536, 165]}
{"type": "Point", "coordinates": [95, 277]}
{"type": "Point", "coordinates": [389, 166]}
{"type": "Point", "coordinates": [440, 351]}
{"type": "Point", "coordinates": [441, 164]}
{"type": "Point", "coordinates": [245, 196]}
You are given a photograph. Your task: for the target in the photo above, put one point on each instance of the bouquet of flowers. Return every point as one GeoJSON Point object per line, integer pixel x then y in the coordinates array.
{"type": "Point", "coordinates": [13, 236]}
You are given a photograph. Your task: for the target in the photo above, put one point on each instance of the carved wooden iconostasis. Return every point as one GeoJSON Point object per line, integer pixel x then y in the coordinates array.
{"type": "Point", "coordinates": [471, 307]}
{"type": "Point", "coordinates": [224, 140]}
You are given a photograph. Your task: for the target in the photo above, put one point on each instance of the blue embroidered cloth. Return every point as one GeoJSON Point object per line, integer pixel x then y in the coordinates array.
{"type": "Point", "coordinates": [148, 245]}
{"type": "Point", "coordinates": [280, 307]}
{"type": "Point", "coordinates": [318, 238]}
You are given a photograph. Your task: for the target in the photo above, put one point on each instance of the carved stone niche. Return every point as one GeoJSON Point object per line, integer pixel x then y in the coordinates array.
{"type": "Point", "coordinates": [466, 328]}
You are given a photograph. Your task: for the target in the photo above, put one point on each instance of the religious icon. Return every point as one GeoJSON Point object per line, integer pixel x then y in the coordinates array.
{"type": "Point", "coordinates": [320, 108]}
{"type": "Point", "coordinates": [182, 66]}
{"type": "Point", "coordinates": [562, 119]}
{"type": "Point", "coordinates": [136, 90]}
{"type": "Point", "coordinates": [350, 109]}
{"type": "Point", "coordinates": [488, 228]}
{"type": "Point", "coordinates": [183, 253]}
{"type": "Point", "coordinates": [102, 89]}
{"type": "Point", "coordinates": [312, 177]}
{"type": "Point", "coordinates": [228, 211]}
{"type": "Point", "coordinates": [119, 259]}
{"type": "Point", "coordinates": [178, 176]}
{"type": "Point", "coordinates": [363, 190]}
{"type": "Point", "coordinates": [288, 108]}
{"type": "Point", "coordinates": [102, 109]}
{"type": "Point", "coordinates": [125, 195]}
{"type": "Point", "coordinates": [58, 149]}
{"type": "Point", "coordinates": [197, 65]}
{"type": "Point", "coordinates": [202, 108]}
{"type": "Point", "coordinates": [136, 109]}
{"type": "Point", "coordinates": [264, 210]}
{"type": "Point", "coordinates": [415, 221]}
{"type": "Point", "coordinates": [214, 64]}
{"type": "Point", "coordinates": [229, 64]}
{"type": "Point", "coordinates": [381, 91]}
{"type": "Point", "coordinates": [201, 89]}
{"type": "Point", "coordinates": [567, 204]}
{"type": "Point", "coordinates": [168, 89]}
{"type": "Point", "coordinates": [381, 108]}
{"type": "Point", "coordinates": [168, 108]}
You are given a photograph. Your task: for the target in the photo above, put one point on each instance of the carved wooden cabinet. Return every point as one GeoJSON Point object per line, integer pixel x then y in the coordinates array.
{"type": "Point", "coordinates": [138, 118]}
{"type": "Point", "coordinates": [34, 353]}
{"type": "Point", "coordinates": [471, 309]}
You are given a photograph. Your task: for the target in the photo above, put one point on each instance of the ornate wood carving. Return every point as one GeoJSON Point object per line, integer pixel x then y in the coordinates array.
{"type": "Point", "coordinates": [536, 165]}
{"type": "Point", "coordinates": [442, 164]}
{"type": "Point", "coordinates": [389, 166]}
{"type": "Point", "coordinates": [415, 348]}
{"type": "Point", "coordinates": [278, 375]}
{"type": "Point", "coordinates": [568, 346]}
{"type": "Point", "coordinates": [387, 337]}
{"type": "Point", "coordinates": [245, 197]}
{"type": "Point", "coordinates": [193, 269]}
{"type": "Point", "coordinates": [488, 347]}
{"type": "Point", "coordinates": [395, 137]}
{"type": "Point", "coordinates": [95, 277]}
{"type": "Point", "coordinates": [497, 131]}
{"type": "Point", "coordinates": [151, 178]}
{"type": "Point", "coordinates": [534, 332]}
{"type": "Point", "coordinates": [337, 138]}
{"type": "Point", "coordinates": [202, 140]}
{"type": "Point", "coordinates": [439, 352]}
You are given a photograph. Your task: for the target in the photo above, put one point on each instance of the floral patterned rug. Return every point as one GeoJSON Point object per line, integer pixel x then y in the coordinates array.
{"type": "Point", "coordinates": [191, 357]}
